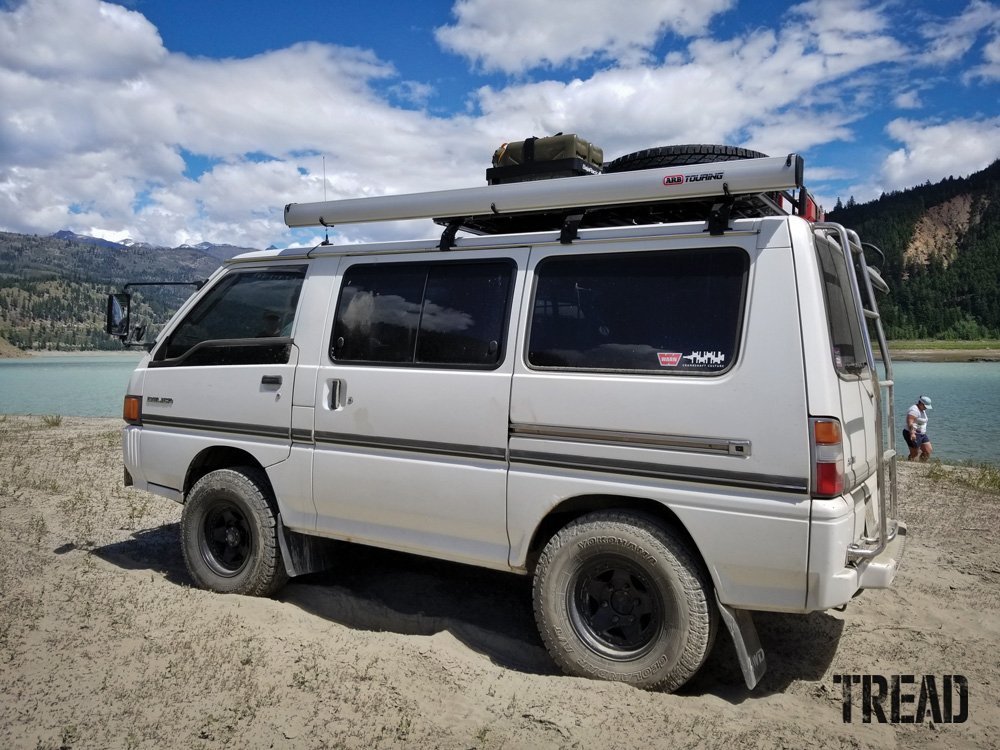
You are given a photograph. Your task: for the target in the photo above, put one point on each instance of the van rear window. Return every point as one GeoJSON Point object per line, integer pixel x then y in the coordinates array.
{"type": "Point", "coordinates": [846, 334]}
{"type": "Point", "coordinates": [676, 312]}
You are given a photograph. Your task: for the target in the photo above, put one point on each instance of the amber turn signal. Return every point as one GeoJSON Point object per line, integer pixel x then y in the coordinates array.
{"type": "Point", "coordinates": [132, 410]}
{"type": "Point", "coordinates": [827, 432]}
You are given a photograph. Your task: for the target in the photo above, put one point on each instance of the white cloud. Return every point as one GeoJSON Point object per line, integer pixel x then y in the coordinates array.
{"type": "Point", "coordinates": [845, 28]}
{"type": "Point", "coordinates": [907, 100]}
{"type": "Point", "coordinates": [94, 127]}
{"type": "Point", "coordinates": [932, 151]}
{"type": "Point", "coordinates": [517, 35]}
{"type": "Point", "coordinates": [818, 174]}
{"type": "Point", "coordinates": [91, 138]}
{"type": "Point", "coordinates": [950, 39]}
{"type": "Point", "coordinates": [989, 70]}
{"type": "Point", "coordinates": [69, 39]}
{"type": "Point", "coordinates": [766, 89]}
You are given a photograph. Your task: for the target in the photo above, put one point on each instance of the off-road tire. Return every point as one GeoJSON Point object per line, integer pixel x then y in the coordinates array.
{"type": "Point", "coordinates": [229, 534]}
{"type": "Point", "coordinates": [678, 156]}
{"type": "Point", "coordinates": [609, 565]}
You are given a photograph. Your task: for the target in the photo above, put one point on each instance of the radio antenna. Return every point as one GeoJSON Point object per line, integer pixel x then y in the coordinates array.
{"type": "Point", "coordinates": [326, 239]}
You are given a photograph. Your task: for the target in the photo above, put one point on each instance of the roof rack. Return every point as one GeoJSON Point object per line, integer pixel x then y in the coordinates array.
{"type": "Point", "coordinates": [746, 187]}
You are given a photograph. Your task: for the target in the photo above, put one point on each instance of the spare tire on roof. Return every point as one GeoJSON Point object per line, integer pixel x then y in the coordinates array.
{"type": "Point", "coordinates": [675, 156]}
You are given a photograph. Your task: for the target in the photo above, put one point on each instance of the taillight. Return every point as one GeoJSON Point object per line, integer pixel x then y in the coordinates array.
{"type": "Point", "coordinates": [828, 458]}
{"type": "Point", "coordinates": [811, 211]}
{"type": "Point", "coordinates": [132, 409]}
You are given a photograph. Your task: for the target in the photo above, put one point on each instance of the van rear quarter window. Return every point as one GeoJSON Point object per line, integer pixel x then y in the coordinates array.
{"type": "Point", "coordinates": [423, 314]}
{"type": "Point", "coordinates": [846, 335]}
{"type": "Point", "coordinates": [677, 312]}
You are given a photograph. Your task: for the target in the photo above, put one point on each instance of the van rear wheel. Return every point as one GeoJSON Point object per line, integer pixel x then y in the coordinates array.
{"type": "Point", "coordinates": [618, 596]}
{"type": "Point", "coordinates": [229, 534]}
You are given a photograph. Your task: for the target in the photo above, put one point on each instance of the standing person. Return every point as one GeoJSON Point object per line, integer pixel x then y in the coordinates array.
{"type": "Point", "coordinates": [915, 432]}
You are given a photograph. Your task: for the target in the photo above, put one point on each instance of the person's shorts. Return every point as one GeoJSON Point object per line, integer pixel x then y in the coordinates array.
{"type": "Point", "coordinates": [915, 440]}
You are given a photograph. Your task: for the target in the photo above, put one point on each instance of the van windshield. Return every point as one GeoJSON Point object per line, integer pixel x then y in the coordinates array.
{"type": "Point", "coordinates": [847, 335]}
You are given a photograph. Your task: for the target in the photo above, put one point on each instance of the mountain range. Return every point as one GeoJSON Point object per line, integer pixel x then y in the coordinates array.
{"type": "Point", "coordinates": [220, 252]}
{"type": "Point", "coordinates": [52, 289]}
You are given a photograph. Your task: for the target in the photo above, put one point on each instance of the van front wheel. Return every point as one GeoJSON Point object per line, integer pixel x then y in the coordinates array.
{"type": "Point", "coordinates": [229, 534]}
{"type": "Point", "coordinates": [619, 597]}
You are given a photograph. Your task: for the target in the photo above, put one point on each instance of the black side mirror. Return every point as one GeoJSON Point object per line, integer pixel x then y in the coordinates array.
{"type": "Point", "coordinates": [118, 317]}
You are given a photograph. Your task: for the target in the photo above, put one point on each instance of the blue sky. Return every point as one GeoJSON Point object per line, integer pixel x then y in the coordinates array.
{"type": "Point", "coordinates": [175, 121]}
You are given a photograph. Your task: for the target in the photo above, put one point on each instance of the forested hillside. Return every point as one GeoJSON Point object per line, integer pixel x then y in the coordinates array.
{"type": "Point", "coordinates": [52, 291]}
{"type": "Point", "coordinates": [942, 248]}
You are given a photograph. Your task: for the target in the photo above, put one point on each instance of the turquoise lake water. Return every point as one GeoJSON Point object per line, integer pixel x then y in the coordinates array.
{"type": "Point", "coordinates": [964, 425]}
{"type": "Point", "coordinates": [77, 385]}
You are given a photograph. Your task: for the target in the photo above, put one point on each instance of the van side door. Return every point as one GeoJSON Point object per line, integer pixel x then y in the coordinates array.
{"type": "Point", "coordinates": [412, 402]}
{"type": "Point", "coordinates": [223, 374]}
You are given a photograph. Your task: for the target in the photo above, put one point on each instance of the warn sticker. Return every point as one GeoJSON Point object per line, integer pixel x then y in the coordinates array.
{"type": "Point", "coordinates": [669, 359]}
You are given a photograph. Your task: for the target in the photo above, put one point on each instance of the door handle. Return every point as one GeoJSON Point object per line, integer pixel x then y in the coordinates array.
{"type": "Point", "coordinates": [337, 389]}
{"type": "Point", "coordinates": [271, 380]}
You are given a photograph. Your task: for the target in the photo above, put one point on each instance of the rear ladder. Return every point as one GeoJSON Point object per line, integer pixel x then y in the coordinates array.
{"type": "Point", "coordinates": [867, 309]}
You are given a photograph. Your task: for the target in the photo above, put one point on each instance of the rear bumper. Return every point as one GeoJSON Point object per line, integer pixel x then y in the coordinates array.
{"type": "Point", "coordinates": [879, 572]}
{"type": "Point", "coordinates": [832, 580]}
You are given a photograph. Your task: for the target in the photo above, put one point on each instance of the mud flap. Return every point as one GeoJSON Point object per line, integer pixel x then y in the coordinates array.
{"type": "Point", "coordinates": [302, 553]}
{"type": "Point", "coordinates": [748, 649]}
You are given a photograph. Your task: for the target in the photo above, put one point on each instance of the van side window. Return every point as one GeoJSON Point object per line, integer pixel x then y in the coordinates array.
{"type": "Point", "coordinates": [846, 335]}
{"type": "Point", "coordinates": [675, 312]}
{"type": "Point", "coordinates": [244, 319]}
{"type": "Point", "coordinates": [423, 314]}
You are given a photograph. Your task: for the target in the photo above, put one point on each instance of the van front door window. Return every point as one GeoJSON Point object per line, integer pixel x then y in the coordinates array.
{"type": "Point", "coordinates": [245, 319]}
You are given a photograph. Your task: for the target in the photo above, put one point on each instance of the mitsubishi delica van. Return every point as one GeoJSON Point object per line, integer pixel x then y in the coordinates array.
{"type": "Point", "coordinates": [652, 389]}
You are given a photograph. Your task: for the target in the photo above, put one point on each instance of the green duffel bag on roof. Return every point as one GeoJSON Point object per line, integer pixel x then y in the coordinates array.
{"type": "Point", "coordinates": [551, 148]}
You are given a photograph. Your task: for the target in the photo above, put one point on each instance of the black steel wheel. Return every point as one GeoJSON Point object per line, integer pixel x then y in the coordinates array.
{"type": "Point", "coordinates": [618, 596]}
{"type": "Point", "coordinates": [229, 533]}
{"type": "Point", "coordinates": [616, 608]}
{"type": "Point", "coordinates": [226, 539]}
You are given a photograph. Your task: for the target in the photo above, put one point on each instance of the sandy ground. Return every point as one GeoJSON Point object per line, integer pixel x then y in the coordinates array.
{"type": "Point", "coordinates": [104, 643]}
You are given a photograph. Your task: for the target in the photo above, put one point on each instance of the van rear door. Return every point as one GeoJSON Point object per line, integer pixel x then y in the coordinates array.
{"type": "Point", "coordinates": [851, 359]}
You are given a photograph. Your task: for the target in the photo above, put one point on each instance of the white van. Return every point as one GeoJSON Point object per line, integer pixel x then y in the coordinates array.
{"type": "Point", "coordinates": [663, 405]}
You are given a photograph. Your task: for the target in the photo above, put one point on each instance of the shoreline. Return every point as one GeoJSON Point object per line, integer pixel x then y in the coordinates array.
{"type": "Point", "coordinates": [944, 355]}
{"type": "Point", "coordinates": [49, 353]}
